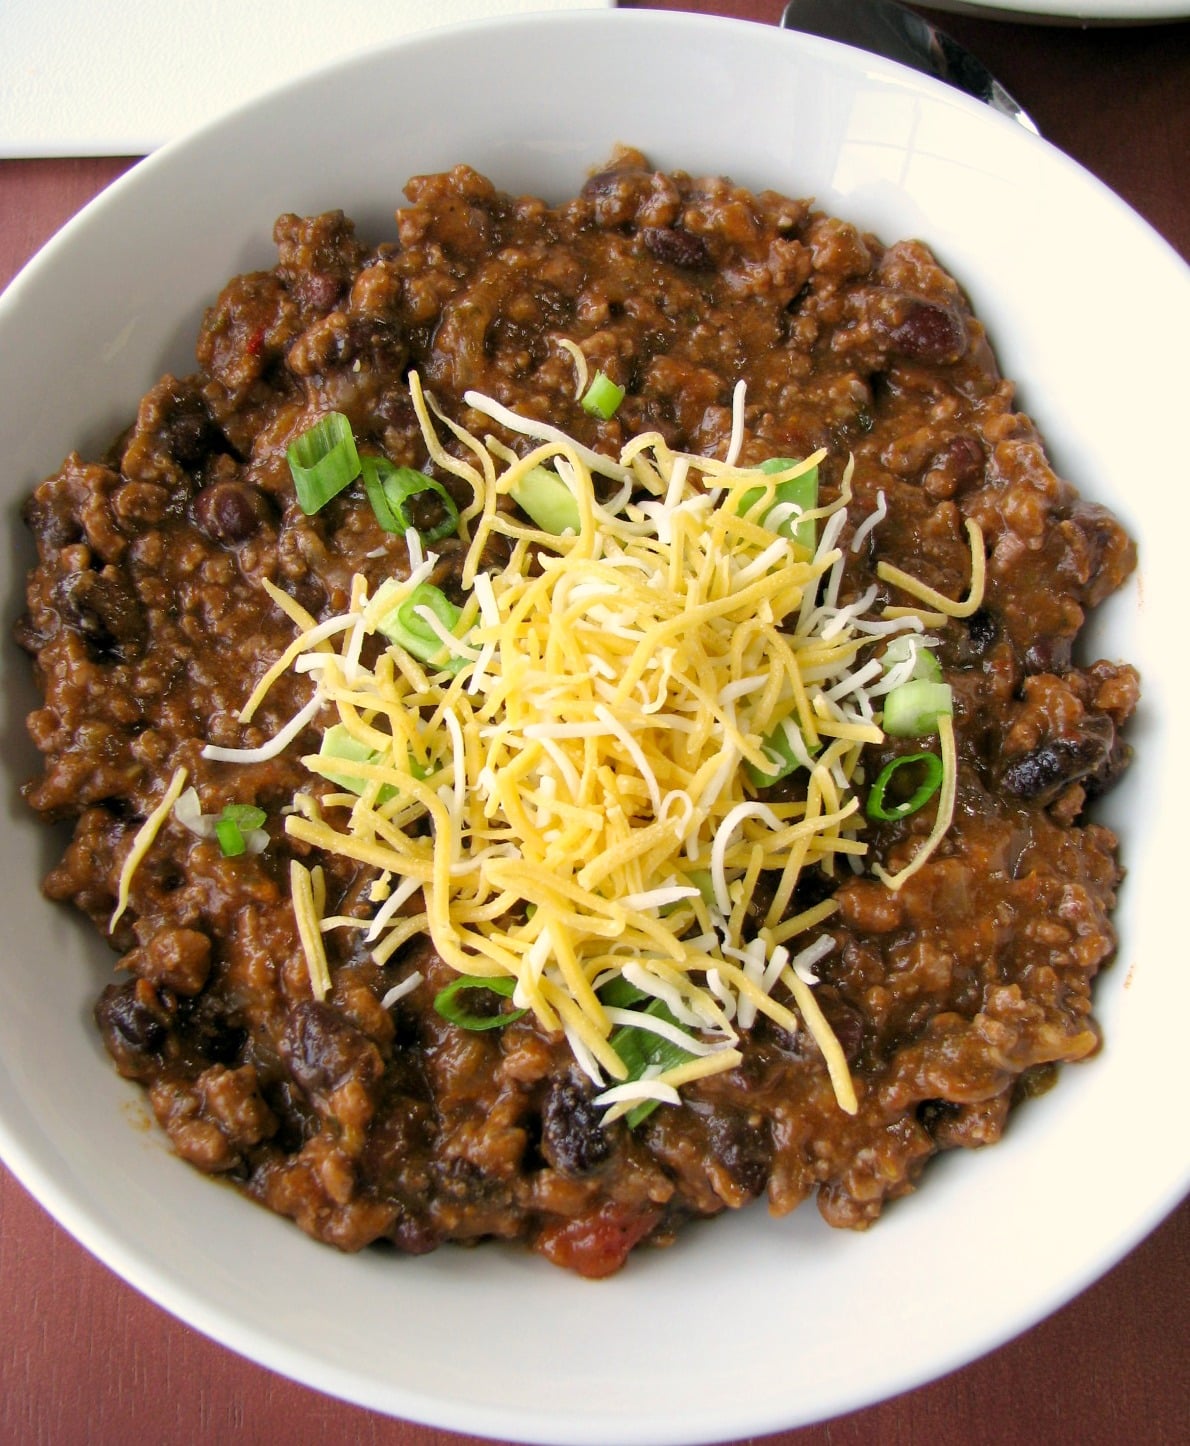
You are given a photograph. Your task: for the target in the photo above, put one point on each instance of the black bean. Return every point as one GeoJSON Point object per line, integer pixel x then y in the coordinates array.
{"type": "Point", "coordinates": [230, 511]}
{"type": "Point", "coordinates": [323, 1050]}
{"type": "Point", "coordinates": [676, 247]}
{"type": "Point", "coordinates": [50, 514]}
{"type": "Point", "coordinates": [1039, 772]}
{"type": "Point", "coordinates": [744, 1150]}
{"type": "Point", "coordinates": [1061, 761]}
{"type": "Point", "coordinates": [935, 1114]}
{"type": "Point", "coordinates": [128, 1019]}
{"type": "Point", "coordinates": [847, 1025]}
{"type": "Point", "coordinates": [1109, 772]}
{"type": "Point", "coordinates": [105, 611]}
{"type": "Point", "coordinates": [983, 629]}
{"type": "Point", "coordinates": [187, 433]}
{"type": "Point", "coordinates": [208, 1032]}
{"type": "Point", "coordinates": [573, 1138]}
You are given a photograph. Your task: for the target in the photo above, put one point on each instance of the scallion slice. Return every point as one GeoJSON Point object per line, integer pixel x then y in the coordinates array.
{"type": "Point", "coordinates": [449, 1005]}
{"type": "Point", "coordinates": [235, 822]}
{"type": "Point", "coordinates": [925, 664]}
{"type": "Point", "coordinates": [603, 397]}
{"type": "Point", "coordinates": [548, 501]}
{"type": "Point", "coordinates": [895, 777]}
{"type": "Point", "coordinates": [231, 837]}
{"type": "Point", "coordinates": [245, 815]}
{"type": "Point", "coordinates": [913, 709]}
{"type": "Point", "coordinates": [618, 993]}
{"type": "Point", "coordinates": [781, 753]}
{"type": "Point", "coordinates": [403, 626]}
{"type": "Point", "coordinates": [390, 487]}
{"type": "Point", "coordinates": [322, 461]}
{"type": "Point", "coordinates": [800, 492]}
{"type": "Point", "coordinates": [338, 743]}
{"type": "Point", "coordinates": [641, 1049]}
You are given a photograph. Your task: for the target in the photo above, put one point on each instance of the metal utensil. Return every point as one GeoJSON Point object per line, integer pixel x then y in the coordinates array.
{"type": "Point", "coordinates": [888, 29]}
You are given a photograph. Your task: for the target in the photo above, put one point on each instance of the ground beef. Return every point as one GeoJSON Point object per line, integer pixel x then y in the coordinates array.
{"type": "Point", "coordinates": [147, 625]}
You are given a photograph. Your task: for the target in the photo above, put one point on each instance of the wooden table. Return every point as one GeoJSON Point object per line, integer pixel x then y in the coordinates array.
{"type": "Point", "coordinates": [83, 1358]}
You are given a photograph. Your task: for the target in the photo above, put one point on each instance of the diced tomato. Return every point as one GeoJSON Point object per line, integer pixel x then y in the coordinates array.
{"type": "Point", "coordinates": [596, 1245]}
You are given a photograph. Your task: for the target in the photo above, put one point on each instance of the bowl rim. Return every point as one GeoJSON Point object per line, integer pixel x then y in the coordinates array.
{"type": "Point", "coordinates": [113, 1249]}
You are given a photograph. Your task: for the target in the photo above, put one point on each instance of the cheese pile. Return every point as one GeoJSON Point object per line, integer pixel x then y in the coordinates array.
{"type": "Point", "coordinates": [564, 797]}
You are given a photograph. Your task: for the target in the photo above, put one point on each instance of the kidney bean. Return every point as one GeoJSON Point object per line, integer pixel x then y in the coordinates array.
{"type": "Point", "coordinates": [230, 511]}
{"type": "Point", "coordinates": [959, 462]}
{"type": "Point", "coordinates": [917, 329]}
{"type": "Point", "coordinates": [1049, 654]}
{"type": "Point", "coordinates": [676, 247]}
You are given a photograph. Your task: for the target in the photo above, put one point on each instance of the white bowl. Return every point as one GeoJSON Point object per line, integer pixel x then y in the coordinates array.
{"type": "Point", "coordinates": [748, 1325]}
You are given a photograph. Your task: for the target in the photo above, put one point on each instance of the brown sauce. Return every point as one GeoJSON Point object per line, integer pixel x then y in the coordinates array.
{"type": "Point", "coordinates": [147, 625]}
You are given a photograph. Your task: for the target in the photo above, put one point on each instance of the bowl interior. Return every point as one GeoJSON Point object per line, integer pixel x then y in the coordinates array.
{"type": "Point", "coordinates": [741, 1327]}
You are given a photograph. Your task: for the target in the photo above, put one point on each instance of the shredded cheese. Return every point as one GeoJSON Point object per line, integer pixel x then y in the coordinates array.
{"type": "Point", "coordinates": [570, 799]}
{"type": "Point", "coordinates": [143, 841]}
{"type": "Point", "coordinates": [942, 818]}
{"type": "Point", "coordinates": [302, 890]}
{"type": "Point", "coordinates": [930, 596]}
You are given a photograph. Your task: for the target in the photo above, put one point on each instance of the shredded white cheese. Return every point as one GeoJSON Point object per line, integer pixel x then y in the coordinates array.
{"type": "Point", "coordinates": [569, 803]}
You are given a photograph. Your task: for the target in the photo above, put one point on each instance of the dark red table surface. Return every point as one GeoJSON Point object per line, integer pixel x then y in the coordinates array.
{"type": "Point", "coordinates": [84, 1358]}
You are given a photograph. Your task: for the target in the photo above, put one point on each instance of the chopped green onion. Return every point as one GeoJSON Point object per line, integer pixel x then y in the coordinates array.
{"type": "Point", "coordinates": [246, 815]}
{"type": "Point", "coordinates": [602, 397]}
{"type": "Point", "coordinates": [322, 461]}
{"type": "Point", "coordinates": [548, 501]}
{"type": "Point", "coordinates": [925, 664]}
{"type": "Point", "coordinates": [781, 755]}
{"type": "Point", "coordinates": [338, 743]}
{"type": "Point", "coordinates": [230, 836]}
{"type": "Point", "coordinates": [800, 491]}
{"type": "Point", "coordinates": [451, 1008]}
{"type": "Point", "coordinates": [641, 1049]}
{"type": "Point", "coordinates": [236, 820]}
{"type": "Point", "coordinates": [701, 879]}
{"type": "Point", "coordinates": [620, 994]}
{"type": "Point", "coordinates": [926, 767]}
{"type": "Point", "coordinates": [403, 626]}
{"type": "Point", "coordinates": [389, 487]}
{"type": "Point", "coordinates": [914, 708]}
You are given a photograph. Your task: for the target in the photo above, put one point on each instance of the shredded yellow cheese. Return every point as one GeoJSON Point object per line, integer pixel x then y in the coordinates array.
{"type": "Point", "coordinates": [303, 891]}
{"type": "Point", "coordinates": [943, 605]}
{"type": "Point", "coordinates": [144, 841]}
{"type": "Point", "coordinates": [824, 1037]}
{"type": "Point", "coordinates": [567, 792]}
{"type": "Point", "coordinates": [943, 817]}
